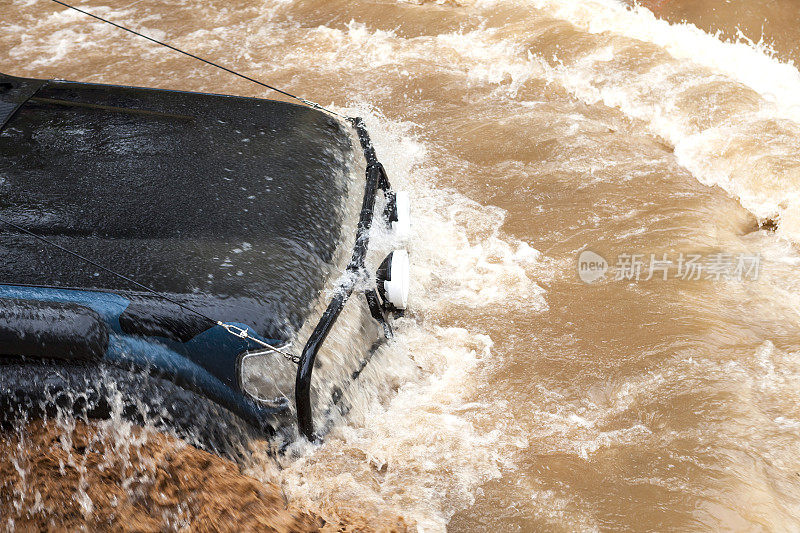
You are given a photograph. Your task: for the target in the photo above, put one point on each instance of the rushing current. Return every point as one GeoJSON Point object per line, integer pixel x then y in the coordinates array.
{"type": "Point", "coordinates": [652, 385]}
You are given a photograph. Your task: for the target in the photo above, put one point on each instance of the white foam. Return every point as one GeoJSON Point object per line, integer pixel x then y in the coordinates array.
{"type": "Point", "coordinates": [68, 32]}
{"type": "Point", "coordinates": [745, 62]}
{"type": "Point", "coordinates": [751, 154]}
{"type": "Point", "coordinates": [421, 444]}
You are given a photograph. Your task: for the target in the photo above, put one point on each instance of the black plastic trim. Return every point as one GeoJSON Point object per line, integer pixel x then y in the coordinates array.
{"type": "Point", "coordinates": [51, 330]}
{"type": "Point", "coordinates": [376, 180]}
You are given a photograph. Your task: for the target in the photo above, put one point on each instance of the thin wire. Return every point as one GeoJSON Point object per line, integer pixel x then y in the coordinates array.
{"type": "Point", "coordinates": [101, 267]}
{"type": "Point", "coordinates": [236, 331]}
{"type": "Point", "coordinates": [248, 78]}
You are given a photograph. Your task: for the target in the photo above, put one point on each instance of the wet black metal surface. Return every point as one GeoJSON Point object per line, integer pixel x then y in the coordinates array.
{"type": "Point", "coordinates": [235, 205]}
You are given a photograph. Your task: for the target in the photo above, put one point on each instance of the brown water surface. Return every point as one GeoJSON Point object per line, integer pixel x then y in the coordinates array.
{"type": "Point", "coordinates": [520, 398]}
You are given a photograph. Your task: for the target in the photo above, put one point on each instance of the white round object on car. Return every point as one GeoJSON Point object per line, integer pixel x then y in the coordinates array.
{"type": "Point", "coordinates": [397, 286]}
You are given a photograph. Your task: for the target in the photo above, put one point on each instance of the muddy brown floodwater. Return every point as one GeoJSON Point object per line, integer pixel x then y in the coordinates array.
{"type": "Point", "coordinates": [90, 477]}
{"type": "Point", "coordinates": [517, 397]}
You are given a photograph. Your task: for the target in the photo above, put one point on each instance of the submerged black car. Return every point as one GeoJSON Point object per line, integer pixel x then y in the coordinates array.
{"type": "Point", "coordinates": [180, 257]}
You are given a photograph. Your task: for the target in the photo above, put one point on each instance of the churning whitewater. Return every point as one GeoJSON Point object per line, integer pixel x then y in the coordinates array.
{"type": "Point", "coordinates": [515, 396]}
